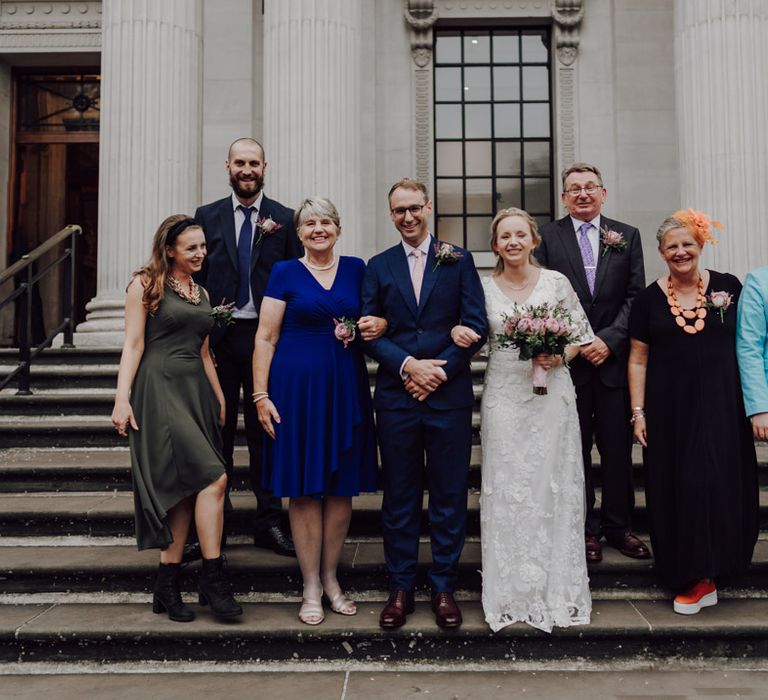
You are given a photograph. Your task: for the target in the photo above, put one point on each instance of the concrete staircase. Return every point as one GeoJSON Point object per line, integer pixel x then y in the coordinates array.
{"type": "Point", "coordinates": [73, 587]}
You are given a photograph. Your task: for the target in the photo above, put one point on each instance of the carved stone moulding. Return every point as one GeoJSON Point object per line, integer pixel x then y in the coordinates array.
{"type": "Point", "coordinates": [50, 14]}
{"type": "Point", "coordinates": [42, 41]}
{"type": "Point", "coordinates": [420, 16]}
{"type": "Point", "coordinates": [567, 15]}
{"type": "Point", "coordinates": [493, 9]}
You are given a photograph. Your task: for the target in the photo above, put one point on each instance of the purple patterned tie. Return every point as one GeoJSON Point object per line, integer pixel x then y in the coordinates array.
{"type": "Point", "coordinates": [587, 256]}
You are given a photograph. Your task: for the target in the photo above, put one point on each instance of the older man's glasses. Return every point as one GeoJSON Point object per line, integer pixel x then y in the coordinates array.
{"type": "Point", "coordinates": [588, 190]}
{"type": "Point", "coordinates": [415, 210]}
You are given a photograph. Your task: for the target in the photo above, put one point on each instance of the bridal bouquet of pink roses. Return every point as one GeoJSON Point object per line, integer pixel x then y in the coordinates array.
{"type": "Point", "coordinates": [544, 329]}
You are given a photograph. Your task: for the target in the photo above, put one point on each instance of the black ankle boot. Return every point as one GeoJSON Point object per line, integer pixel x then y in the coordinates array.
{"type": "Point", "coordinates": [214, 589]}
{"type": "Point", "coordinates": [166, 595]}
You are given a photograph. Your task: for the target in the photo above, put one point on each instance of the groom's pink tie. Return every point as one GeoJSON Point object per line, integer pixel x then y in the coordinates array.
{"type": "Point", "coordinates": [417, 274]}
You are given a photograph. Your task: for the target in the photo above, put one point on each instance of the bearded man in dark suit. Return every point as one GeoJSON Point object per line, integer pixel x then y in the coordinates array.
{"type": "Point", "coordinates": [246, 234]}
{"type": "Point", "coordinates": [603, 259]}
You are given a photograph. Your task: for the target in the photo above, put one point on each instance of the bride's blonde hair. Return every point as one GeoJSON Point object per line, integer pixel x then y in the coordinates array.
{"type": "Point", "coordinates": [500, 216]}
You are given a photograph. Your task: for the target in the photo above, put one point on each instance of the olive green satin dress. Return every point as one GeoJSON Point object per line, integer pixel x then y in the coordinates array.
{"type": "Point", "coordinates": [177, 450]}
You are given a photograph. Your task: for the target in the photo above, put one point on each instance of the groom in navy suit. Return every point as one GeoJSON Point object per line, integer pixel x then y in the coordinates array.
{"type": "Point", "coordinates": [246, 234]}
{"type": "Point", "coordinates": [423, 399]}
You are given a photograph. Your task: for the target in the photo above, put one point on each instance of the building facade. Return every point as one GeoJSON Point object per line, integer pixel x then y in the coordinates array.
{"type": "Point", "coordinates": [116, 113]}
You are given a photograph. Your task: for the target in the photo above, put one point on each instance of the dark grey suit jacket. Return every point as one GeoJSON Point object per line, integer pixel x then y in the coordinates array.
{"type": "Point", "coordinates": [619, 277]}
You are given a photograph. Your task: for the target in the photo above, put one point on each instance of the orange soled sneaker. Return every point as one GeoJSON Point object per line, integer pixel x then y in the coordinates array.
{"type": "Point", "coordinates": [701, 595]}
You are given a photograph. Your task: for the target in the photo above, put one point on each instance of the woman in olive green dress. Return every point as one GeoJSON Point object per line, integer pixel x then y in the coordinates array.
{"type": "Point", "coordinates": [170, 404]}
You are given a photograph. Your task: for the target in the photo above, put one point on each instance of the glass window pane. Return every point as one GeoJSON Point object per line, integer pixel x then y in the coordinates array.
{"type": "Point", "coordinates": [477, 121]}
{"type": "Point", "coordinates": [451, 229]}
{"type": "Point", "coordinates": [477, 84]}
{"type": "Point", "coordinates": [448, 121]}
{"type": "Point", "coordinates": [478, 232]}
{"type": "Point", "coordinates": [448, 48]}
{"type": "Point", "coordinates": [535, 83]}
{"type": "Point", "coordinates": [448, 84]}
{"type": "Point", "coordinates": [479, 196]}
{"type": "Point", "coordinates": [477, 48]}
{"type": "Point", "coordinates": [506, 83]}
{"type": "Point", "coordinates": [506, 121]}
{"type": "Point", "coordinates": [536, 158]}
{"type": "Point", "coordinates": [536, 120]}
{"type": "Point", "coordinates": [534, 50]}
{"type": "Point", "coordinates": [508, 158]}
{"type": "Point", "coordinates": [508, 193]}
{"type": "Point", "coordinates": [448, 158]}
{"type": "Point", "coordinates": [537, 197]}
{"type": "Point", "coordinates": [506, 48]}
{"type": "Point", "coordinates": [479, 160]}
{"type": "Point", "coordinates": [449, 197]}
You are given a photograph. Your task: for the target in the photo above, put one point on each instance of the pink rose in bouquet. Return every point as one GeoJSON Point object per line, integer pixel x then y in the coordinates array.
{"type": "Point", "coordinates": [537, 330]}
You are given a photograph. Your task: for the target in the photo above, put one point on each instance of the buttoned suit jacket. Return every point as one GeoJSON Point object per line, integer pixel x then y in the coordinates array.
{"type": "Point", "coordinates": [220, 274]}
{"type": "Point", "coordinates": [752, 341]}
{"type": "Point", "coordinates": [619, 276]}
{"type": "Point", "coordinates": [451, 293]}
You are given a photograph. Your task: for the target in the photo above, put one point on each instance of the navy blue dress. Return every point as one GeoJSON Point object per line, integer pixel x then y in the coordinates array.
{"type": "Point", "coordinates": [325, 443]}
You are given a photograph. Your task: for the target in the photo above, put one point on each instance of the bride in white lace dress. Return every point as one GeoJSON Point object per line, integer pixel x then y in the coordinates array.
{"type": "Point", "coordinates": [532, 498]}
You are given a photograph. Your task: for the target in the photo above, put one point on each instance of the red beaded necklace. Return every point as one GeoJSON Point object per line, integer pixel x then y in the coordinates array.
{"type": "Point", "coordinates": [683, 316]}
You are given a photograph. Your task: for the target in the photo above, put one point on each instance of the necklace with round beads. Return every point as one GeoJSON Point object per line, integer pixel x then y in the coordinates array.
{"type": "Point", "coordinates": [192, 296]}
{"type": "Point", "coordinates": [319, 268]}
{"type": "Point", "coordinates": [684, 316]}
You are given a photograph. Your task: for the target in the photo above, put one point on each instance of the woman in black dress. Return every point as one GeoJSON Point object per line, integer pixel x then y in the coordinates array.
{"type": "Point", "coordinates": [687, 412]}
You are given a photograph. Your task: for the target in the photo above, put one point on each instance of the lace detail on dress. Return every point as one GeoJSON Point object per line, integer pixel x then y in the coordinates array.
{"type": "Point", "coordinates": [532, 498]}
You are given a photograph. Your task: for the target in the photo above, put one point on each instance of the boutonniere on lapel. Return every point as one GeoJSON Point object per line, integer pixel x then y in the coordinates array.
{"type": "Point", "coordinates": [222, 313]}
{"type": "Point", "coordinates": [612, 240]}
{"type": "Point", "coordinates": [446, 254]}
{"type": "Point", "coordinates": [720, 302]}
{"type": "Point", "coordinates": [266, 226]}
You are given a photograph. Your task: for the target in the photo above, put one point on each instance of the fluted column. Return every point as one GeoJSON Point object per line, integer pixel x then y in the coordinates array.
{"type": "Point", "coordinates": [150, 140]}
{"type": "Point", "coordinates": [312, 132]}
{"type": "Point", "coordinates": [721, 60]}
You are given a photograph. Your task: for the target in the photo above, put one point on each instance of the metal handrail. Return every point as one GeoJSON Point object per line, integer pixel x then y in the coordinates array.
{"type": "Point", "coordinates": [24, 294]}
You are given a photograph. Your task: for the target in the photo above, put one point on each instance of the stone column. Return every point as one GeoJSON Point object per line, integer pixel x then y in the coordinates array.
{"type": "Point", "coordinates": [721, 60]}
{"type": "Point", "coordinates": [312, 52]}
{"type": "Point", "coordinates": [150, 140]}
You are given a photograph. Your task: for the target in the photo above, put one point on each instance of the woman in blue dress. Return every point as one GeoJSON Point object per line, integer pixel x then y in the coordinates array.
{"type": "Point", "coordinates": [313, 399]}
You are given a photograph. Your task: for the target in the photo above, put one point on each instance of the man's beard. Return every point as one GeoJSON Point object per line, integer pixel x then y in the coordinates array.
{"type": "Point", "coordinates": [247, 188]}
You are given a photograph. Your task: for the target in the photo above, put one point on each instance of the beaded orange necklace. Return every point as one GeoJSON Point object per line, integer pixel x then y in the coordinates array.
{"type": "Point", "coordinates": [683, 316]}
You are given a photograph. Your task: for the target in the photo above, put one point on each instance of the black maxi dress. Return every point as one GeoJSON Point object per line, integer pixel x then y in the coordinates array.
{"type": "Point", "coordinates": [701, 469]}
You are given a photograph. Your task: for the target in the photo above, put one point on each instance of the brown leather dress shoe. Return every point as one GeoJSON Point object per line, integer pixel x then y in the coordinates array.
{"type": "Point", "coordinates": [447, 613]}
{"type": "Point", "coordinates": [593, 549]}
{"type": "Point", "coordinates": [398, 607]}
{"type": "Point", "coordinates": [629, 545]}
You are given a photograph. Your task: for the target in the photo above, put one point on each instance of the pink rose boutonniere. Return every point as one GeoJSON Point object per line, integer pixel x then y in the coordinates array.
{"type": "Point", "coordinates": [612, 239]}
{"type": "Point", "coordinates": [720, 302]}
{"type": "Point", "coordinates": [345, 330]}
{"type": "Point", "coordinates": [446, 254]}
{"type": "Point", "coordinates": [266, 226]}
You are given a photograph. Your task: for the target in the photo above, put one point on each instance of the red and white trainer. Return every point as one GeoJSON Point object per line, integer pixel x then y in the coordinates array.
{"type": "Point", "coordinates": [701, 595]}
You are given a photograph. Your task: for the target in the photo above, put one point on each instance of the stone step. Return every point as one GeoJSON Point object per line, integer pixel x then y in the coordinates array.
{"type": "Point", "coordinates": [111, 568]}
{"type": "Point", "coordinates": [31, 469]}
{"type": "Point", "coordinates": [621, 630]}
{"type": "Point", "coordinates": [111, 514]}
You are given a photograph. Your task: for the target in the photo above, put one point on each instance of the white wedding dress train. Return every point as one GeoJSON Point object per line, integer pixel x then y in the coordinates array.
{"type": "Point", "coordinates": [532, 497]}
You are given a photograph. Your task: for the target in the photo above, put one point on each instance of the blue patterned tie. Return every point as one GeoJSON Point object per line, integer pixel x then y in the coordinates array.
{"type": "Point", "coordinates": [244, 259]}
{"type": "Point", "coordinates": [587, 256]}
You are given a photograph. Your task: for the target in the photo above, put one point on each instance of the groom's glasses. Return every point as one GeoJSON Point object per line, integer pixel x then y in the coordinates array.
{"type": "Point", "coordinates": [399, 212]}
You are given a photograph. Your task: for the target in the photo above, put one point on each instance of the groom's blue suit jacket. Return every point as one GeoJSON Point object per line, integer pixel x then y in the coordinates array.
{"type": "Point", "coordinates": [752, 341]}
{"type": "Point", "coordinates": [450, 294]}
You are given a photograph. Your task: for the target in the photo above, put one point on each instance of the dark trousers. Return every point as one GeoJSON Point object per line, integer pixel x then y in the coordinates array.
{"type": "Point", "coordinates": [604, 416]}
{"type": "Point", "coordinates": [406, 437]}
{"type": "Point", "coordinates": [234, 365]}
